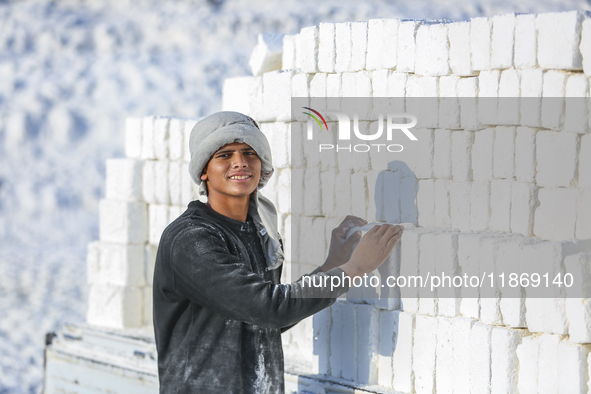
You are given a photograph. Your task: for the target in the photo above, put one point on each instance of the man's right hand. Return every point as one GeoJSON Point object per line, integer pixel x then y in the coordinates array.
{"type": "Point", "coordinates": [373, 249]}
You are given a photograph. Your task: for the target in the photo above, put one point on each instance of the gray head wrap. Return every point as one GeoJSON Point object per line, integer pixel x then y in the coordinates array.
{"type": "Point", "coordinates": [222, 128]}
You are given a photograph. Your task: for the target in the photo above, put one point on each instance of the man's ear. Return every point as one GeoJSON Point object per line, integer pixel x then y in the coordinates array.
{"type": "Point", "coordinates": [203, 176]}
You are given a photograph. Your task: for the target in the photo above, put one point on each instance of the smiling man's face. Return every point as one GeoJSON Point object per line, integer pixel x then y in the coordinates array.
{"type": "Point", "coordinates": [232, 172]}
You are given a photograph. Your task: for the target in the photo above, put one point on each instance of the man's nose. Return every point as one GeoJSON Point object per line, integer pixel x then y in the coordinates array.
{"type": "Point", "coordinates": [239, 161]}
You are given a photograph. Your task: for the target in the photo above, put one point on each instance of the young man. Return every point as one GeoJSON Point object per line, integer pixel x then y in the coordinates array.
{"type": "Point", "coordinates": [219, 307]}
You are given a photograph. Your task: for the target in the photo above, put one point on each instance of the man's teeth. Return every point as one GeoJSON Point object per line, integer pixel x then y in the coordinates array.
{"type": "Point", "coordinates": [240, 177]}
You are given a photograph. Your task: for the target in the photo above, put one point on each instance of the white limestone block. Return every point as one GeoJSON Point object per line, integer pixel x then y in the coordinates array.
{"type": "Point", "coordinates": [149, 262]}
{"type": "Point", "coordinates": [525, 154]}
{"type": "Point", "coordinates": [288, 55]}
{"type": "Point", "coordinates": [379, 83]}
{"type": "Point", "coordinates": [502, 41]}
{"type": "Point", "coordinates": [408, 197]}
{"type": "Point", "coordinates": [480, 39]}
{"type": "Point", "coordinates": [504, 152]}
{"type": "Point", "coordinates": [161, 189]}
{"type": "Point", "coordinates": [158, 219]}
{"type": "Point", "coordinates": [556, 155]}
{"type": "Point", "coordinates": [312, 192]}
{"type": "Point", "coordinates": [490, 308]}
{"type": "Point", "coordinates": [480, 209]}
{"type": "Point", "coordinates": [176, 134]}
{"type": "Point", "coordinates": [277, 95]}
{"type": "Point", "coordinates": [504, 362]}
{"type": "Point", "coordinates": [460, 196]}
{"type": "Point", "coordinates": [368, 335]}
{"type": "Point", "coordinates": [546, 314]}
{"type": "Point", "coordinates": [459, 48]}
{"type": "Point", "coordinates": [585, 46]}
{"type": "Point", "coordinates": [321, 323]}
{"type": "Point", "coordinates": [389, 56]}
{"type": "Point", "coordinates": [235, 95]}
{"type": "Point", "coordinates": [308, 61]}
{"type": "Point", "coordinates": [397, 84]}
{"type": "Point", "coordinates": [488, 84]}
{"type": "Point", "coordinates": [334, 85]}
{"type": "Point", "coordinates": [284, 182]}
{"type": "Point", "coordinates": [406, 46]}
{"type": "Point", "coordinates": [124, 179]}
{"type": "Point", "coordinates": [327, 180]}
{"type": "Point", "coordinates": [149, 181]}
{"type": "Point", "coordinates": [267, 54]}
{"type": "Point", "coordinates": [525, 55]}
{"type": "Point", "coordinates": [161, 137]}
{"type": "Point", "coordinates": [426, 203]}
{"type": "Point", "coordinates": [578, 304]}
{"type": "Point", "coordinates": [461, 146]}
{"type": "Point", "coordinates": [523, 206]}
{"type": "Point", "coordinates": [409, 266]}
{"type": "Point", "coordinates": [343, 47]}
{"type": "Point", "coordinates": [442, 207]}
{"type": "Point", "coordinates": [585, 161]}
{"type": "Point", "coordinates": [509, 257]}
{"type": "Point", "coordinates": [480, 358]}
{"type": "Point", "coordinates": [148, 151]}
{"type": "Point", "coordinates": [531, 93]}
{"type": "Point", "coordinates": [423, 168]}
{"type": "Point", "coordinates": [343, 191]}
{"type": "Point", "coordinates": [175, 179]}
{"type": "Point", "coordinates": [428, 267]}
{"type": "Point", "coordinates": [388, 334]}
{"type": "Point", "coordinates": [559, 34]}
{"type": "Point", "coordinates": [447, 265]}
{"type": "Point", "coordinates": [444, 356]}
{"type": "Point", "coordinates": [461, 327]}
{"type": "Point", "coordinates": [123, 221]}
{"type": "Point", "coordinates": [189, 124]}
{"type": "Point", "coordinates": [468, 260]}
{"type": "Point", "coordinates": [133, 138]}
{"type": "Point", "coordinates": [576, 114]}
{"type": "Point", "coordinates": [572, 368]}
{"type": "Point", "coordinates": [509, 101]}
{"type": "Point", "coordinates": [256, 105]}
{"type": "Point", "coordinates": [391, 190]}
{"type": "Point", "coordinates": [187, 185]}
{"type": "Point", "coordinates": [424, 353]}
{"type": "Point", "coordinates": [121, 265]}
{"type": "Point", "coordinates": [449, 104]}
{"type": "Point", "coordinates": [115, 306]}
{"type": "Point", "coordinates": [349, 345]}
{"type": "Point", "coordinates": [148, 306]}
{"type": "Point", "coordinates": [326, 47]}
{"type": "Point", "coordinates": [482, 154]}
{"type": "Point", "coordinates": [467, 89]}
{"type": "Point", "coordinates": [528, 355]}
{"type": "Point", "coordinates": [553, 93]}
{"type": "Point", "coordinates": [358, 45]}
{"type": "Point", "coordinates": [375, 43]}
{"type": "Point", "coordinates": [300, 85]}
{"type": "Point", "coordinates": [500, 205]}
{"type": "Point", "coordinates": [583, 230]}
{"type": "Point", "coordinates": [548, 364]}
{"type": "Point", "coordinates": [432, 57]}
{"type": "Point", "coordinates": [402, 359]}
{"type": "Point", "coordinates": [442, 154]}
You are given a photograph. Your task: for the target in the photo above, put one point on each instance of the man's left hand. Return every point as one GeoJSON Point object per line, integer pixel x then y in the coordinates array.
{"type": "Point", "coordinates": [340, 246]}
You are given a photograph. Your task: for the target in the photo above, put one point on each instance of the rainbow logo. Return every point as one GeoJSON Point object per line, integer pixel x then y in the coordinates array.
{"type": "Point", "coordinates": [315, 118]}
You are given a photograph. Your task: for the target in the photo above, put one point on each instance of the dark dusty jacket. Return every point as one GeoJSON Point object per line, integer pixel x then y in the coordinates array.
{"type": "Point", "coordinates": [218, 312]}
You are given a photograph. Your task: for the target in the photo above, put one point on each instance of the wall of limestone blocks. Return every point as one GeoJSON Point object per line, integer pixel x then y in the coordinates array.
{"type": "Point", "coordinates": [484, 194]}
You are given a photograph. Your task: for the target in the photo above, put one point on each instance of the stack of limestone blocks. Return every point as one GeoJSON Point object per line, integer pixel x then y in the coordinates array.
{"type": "Point", "coordinates": [144, 192]}
{"type": "Point", "coordinates": [488, 196]}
